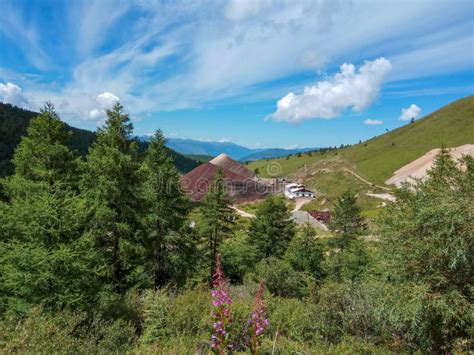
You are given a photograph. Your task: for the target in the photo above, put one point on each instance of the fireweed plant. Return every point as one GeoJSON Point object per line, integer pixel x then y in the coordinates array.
{"type": "Point", "coordinates": [257, 324]}
{"type": "Point", "coordinates": [221, 301]}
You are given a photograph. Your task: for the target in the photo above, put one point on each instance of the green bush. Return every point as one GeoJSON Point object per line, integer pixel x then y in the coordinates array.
{"type": "Point", "coordinates": [64, 332]}
{"type": "Point", "coordinates": [305, 253]}
{"type": "Point", "coordinates": [282, 280]}
{"type": "Point", "coordinates": [238, 257]}
{"type": "Point", "coordinates": [293, 319]}
{"type": "Point", "coordinates": [351, 263]}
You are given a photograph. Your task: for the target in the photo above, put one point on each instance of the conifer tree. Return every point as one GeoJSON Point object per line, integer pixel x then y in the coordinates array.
{"type": "Point", "coordinates": [110, 185]}
{"type": "Point", "coordinates": [43, 154]}
{"type": "Point", "coordinates": [346, 219]}
{"type": "Point", "coordinates": [305, 252]}
{"type": "Point", "coordinates": [170, 243]}
{"type": "Point", "coordinates": [427, 239]}
{"type": "Point", "coordinates": [41, 245]}
{"type": "Point", "coordinates": [218, 215]}
{"type": "Point", "coordinates": [272, 229]}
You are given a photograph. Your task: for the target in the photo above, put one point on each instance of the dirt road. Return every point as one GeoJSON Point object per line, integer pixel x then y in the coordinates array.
{"type": "Point", "coordinates": [242, 212]}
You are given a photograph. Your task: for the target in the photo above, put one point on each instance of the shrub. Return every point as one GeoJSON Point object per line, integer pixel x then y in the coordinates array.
{"type": "Point", "coordinates": [305, 253]}
{"type": "Point", "coordinates": [282, 280]}
{"type": "Point", "coordinates": [238, 257]}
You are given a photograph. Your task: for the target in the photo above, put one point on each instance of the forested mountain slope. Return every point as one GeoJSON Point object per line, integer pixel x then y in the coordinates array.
{"type": "Point", "coordinates": [14, 122]}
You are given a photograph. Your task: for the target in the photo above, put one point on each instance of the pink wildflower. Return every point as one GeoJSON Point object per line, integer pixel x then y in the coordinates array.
{"type": "Point", "coordinates": [221, 301]}
{"type": "Point", "coordinates": [257, 322]}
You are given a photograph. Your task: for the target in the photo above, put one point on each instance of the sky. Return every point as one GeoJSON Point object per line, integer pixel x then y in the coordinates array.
{"type": "Point", "coordinates": [258, 73]}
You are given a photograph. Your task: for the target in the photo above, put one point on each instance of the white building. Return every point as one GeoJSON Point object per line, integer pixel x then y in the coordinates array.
{"type": "Point", "coordinates": [297, 190]}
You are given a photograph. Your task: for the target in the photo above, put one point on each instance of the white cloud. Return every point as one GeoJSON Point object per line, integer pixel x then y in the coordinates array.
{"type": "Point", "coordinates": [329, 98]}
{"type": "Point", "coordinates": [106, 100]}
{"type": "Point", "coordinates": [93, 20]}
{"type": "Point", "coordinates": [96, 114]}
{"type": "Point", "coordinates": [371, 122]}
{"type": "Point", "coordinates": [12, 94]}
{"type": "Point", "coordinates": [410, 112]}
{"type": "Point", "coordinates": [241, 49]}
{"type": "Point", "coordinates": [240, 9]}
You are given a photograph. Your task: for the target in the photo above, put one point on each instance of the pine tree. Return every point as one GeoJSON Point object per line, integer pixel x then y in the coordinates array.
{"type": "Point", "coordinates": [272, 228]}
{"type": "Point", "coordinates": [110, 185]}
{"type": "Point", "coordinates": [305, 252]}
{"type": "Point", "coordinates": [218, 216]}
{"type": "Point", "coordinates": [346, 218]}
{"type": "Point", "coordinates": [170, 243]}
{"type": "Point", "coordinates": [41, 244]}
{"type": "Point", "coordinates": [43, 154]}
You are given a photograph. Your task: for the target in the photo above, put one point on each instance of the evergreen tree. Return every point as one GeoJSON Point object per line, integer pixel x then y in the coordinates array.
{"type": "Point", "coordinates": [272, 228]}
{"type": "Point", "coordinates": [43, 154]}
{"type": "Point", "coordinates": [170, 243]}
{"type": "Point", "coordinates": [427, 240]}
{"type": "Point", "coordinates": [218, 216]}
{"type": "Point", "coordinates": [41, 244]}
{"type": "Point", "coordinates": [346, 219]}
{"type": "Point", "coordinates": [110, 185]}
{"type": "Point", "coordinates": [305, 252]}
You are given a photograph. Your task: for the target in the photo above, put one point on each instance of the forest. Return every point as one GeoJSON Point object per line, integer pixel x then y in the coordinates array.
{"type": "Point", "coordinates": [103, 252]}
{"type": "Point", "coordinates": [14, 122]}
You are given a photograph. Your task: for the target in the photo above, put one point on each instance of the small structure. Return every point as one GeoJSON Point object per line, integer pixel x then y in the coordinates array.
{"type": "Point", "coordinates": [321, 216]}
{"type": "Point", "coordinates": [297, 190]}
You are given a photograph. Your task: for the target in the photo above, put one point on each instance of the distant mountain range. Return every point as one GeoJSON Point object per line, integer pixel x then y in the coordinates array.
{"type": "Point", "coordinates": [237, 152]}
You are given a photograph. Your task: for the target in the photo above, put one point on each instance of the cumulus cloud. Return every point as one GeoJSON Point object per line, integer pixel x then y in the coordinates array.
{"type": "Point", "coordinates": [96, 114]}
{"type": "Point", "coordinates": [410, 112]}
{"type": "Point", "coordinates": [106, 100]}
{"type": "Point", "coordinates": [329, 98]}
{"type": "Point", "coordinates": [371, 122]}
{"type": "Point", "coordinates": [12, 94]}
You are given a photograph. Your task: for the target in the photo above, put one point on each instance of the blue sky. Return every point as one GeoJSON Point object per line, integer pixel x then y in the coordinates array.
{"type": "Point", "coordinates": [258, 73]}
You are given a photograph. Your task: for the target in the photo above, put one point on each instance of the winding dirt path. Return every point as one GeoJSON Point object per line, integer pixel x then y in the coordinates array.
{"type": "Point", "coordinates": [242, 212]}
{"type": "Point", "coordinates": [300, 202]}
{"type": "Point", "coordinates": [357, 176]}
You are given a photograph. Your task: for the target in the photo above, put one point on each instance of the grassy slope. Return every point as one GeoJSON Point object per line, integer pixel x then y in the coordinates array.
{"type": "Point", "coordinates": [377, 158]}
{"type": "Point", "coordinates": [452, 125]}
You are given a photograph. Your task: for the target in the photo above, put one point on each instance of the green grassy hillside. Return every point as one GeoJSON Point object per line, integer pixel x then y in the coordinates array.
{"type": "Point", "coordinates": [377, 158]}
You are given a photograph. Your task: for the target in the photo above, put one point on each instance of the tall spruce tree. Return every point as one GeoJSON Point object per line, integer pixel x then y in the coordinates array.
{"type": "Point", "coordinates": [272, 229]}
{"type": "Point", "coordinates": [43, 154]}
{"type": "Point", "coordinates": [41, 246]}
{"type": "Point", "coordinates": [170, 243]}
{"type": "Point", "coordinates": [218, 216]}
{"type": "Point", "coordinates": [346, 219]}
{"type": "Point", "coordinates": [110, 184]}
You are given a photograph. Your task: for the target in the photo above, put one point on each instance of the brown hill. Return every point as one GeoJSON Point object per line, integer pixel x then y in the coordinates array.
{"type": "Point", "coordinates": [241, 187]}
{"type": "Point", "coordinates": [227, 163]}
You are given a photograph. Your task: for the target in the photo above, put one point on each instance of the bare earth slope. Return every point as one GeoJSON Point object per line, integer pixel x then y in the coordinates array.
{"type": "Point", "coordinates": [417, 169]}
